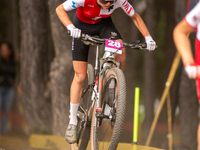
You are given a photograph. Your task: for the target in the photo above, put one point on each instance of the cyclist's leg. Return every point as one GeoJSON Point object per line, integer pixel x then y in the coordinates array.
{"type": "Point", "coordinates": [80, 56]}
{"type": "Point", "coordinates": [121, 58]}
{"type": "Point", "coordinates": [80, 68]}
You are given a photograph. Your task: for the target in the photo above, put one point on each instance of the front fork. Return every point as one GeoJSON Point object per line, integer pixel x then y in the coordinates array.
{"type": "Point", "coordinates": [99, 84]}
{"type": "Point", "coordinates": [104, 65]}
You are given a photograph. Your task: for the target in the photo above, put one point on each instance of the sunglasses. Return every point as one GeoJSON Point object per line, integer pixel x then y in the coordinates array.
{"type": "Point", "coordinates": [105, 2]}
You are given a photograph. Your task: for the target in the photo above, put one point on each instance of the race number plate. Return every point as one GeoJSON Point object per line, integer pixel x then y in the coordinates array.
{"type": "Point", "coordinates": [113, 46]}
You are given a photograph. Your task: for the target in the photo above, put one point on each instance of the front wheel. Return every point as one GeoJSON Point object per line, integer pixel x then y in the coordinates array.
{"type": "Point", "coordinates": [107, 126]}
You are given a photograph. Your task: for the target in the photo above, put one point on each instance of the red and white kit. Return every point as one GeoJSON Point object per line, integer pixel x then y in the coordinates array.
{"type": "Point", "coordinates": [90, 12]}
{"type": "Point", "coordinates": [193, 20]}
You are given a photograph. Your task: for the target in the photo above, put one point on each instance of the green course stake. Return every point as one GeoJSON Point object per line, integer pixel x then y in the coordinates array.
{"type": "Point", "coordinates": [136, 111]}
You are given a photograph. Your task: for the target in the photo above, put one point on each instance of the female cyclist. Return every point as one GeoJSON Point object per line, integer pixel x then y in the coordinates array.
{"type": "Point", "coordinates": [93, 17]}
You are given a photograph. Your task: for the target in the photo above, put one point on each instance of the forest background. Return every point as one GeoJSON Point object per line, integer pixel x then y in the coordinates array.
{"type": "Point", "coordinates": [43, 50]}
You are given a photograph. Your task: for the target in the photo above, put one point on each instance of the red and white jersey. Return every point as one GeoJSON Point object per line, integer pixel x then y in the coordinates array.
{"type": "Point", "coordinates": [193, 19]}
{"type": "Point", "coordinates": [90, 12]}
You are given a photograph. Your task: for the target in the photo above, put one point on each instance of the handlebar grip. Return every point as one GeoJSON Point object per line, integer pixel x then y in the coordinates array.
{"type": "Point", "coordinates": [82, 34]}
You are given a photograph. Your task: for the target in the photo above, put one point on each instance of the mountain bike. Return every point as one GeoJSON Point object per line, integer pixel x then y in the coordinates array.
{"type": "Point", "coordinates": [102, 108]}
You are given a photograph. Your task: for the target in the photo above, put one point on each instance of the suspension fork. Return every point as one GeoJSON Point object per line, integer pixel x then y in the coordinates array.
{"type": "Point", "coordinates": [99, 106]}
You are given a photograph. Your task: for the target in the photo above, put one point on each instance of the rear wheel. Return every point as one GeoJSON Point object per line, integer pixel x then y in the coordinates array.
{"type": "Point", "coordinates": [84, 126]}
{"type": "Point", "coordinates": [107, 126]}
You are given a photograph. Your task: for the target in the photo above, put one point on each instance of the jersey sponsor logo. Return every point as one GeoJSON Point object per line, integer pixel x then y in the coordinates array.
{"type": "Point", "coordinates": [73, 4]}
{"type": "Point", "coordinates": [125, 4]}
{"type": "Point", "coordinates": [96, 18]}
{"type": "Point", "coordinates": [90, 5]}
{"type": "Point", "coordinates": [88, 13]}
{"type": "Point", "coordinates": [127, 7]}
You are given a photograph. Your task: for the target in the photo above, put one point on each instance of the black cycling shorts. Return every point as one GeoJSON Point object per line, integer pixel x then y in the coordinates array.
{"type": "Point", "coordinates": [102, 29]}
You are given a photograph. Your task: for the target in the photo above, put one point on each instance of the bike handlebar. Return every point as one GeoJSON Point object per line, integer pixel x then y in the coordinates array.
{"type": "Point", "coordinates": [98, 41]}
{"type": "Point", "coordinates": [93, 40]}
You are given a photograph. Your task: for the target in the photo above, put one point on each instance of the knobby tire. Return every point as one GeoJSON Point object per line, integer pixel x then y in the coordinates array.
{"type": "Point", "coordinates": [119, 105]}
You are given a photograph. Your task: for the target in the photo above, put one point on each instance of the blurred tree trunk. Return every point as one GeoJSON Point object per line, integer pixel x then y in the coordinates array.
{"type": "Point", "coordinates": [169, 53]}
{"type": "Point", "coordinates": [61, 70]}
{"type": "Point", "coordinates": [149, 70]}
{"type": "Point", "coordinates": [3, 20]}
{"type": "Point", "coordinates": [169, 50]}
{"type": "Point", "coordinates": [13, 25]}
{"type": "Point", "coordinates": [188, 101]}
{"type": "Point", "coordinates": [12, 36]}
{"type": "Point", "coordinates": [35, 63]}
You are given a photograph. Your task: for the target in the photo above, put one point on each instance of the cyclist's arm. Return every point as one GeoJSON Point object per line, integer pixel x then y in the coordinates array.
{"type": "Point", "coordinates": [62, 15]}
{"type": "Point", "coordinates": [140, 24]}
{"type": "Point", "coordinates": [182, 42]}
